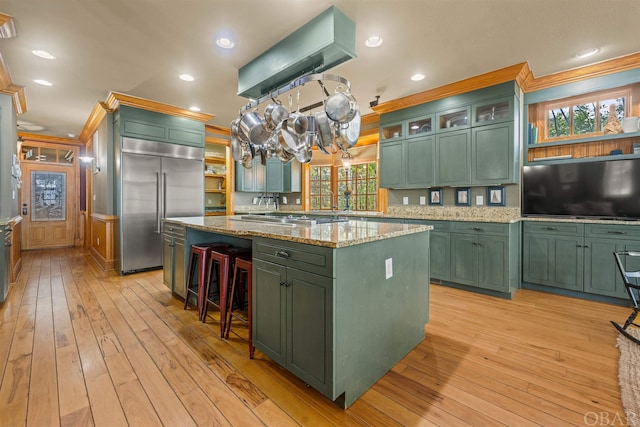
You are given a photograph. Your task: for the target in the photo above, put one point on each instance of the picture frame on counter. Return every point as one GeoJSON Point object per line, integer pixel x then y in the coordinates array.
{"type": "Point", "coordinates": [435, 196]}
{"type": "Point", "coordinates": [495, 196]}
{"type": "Point", "coordinates": [463, 196]}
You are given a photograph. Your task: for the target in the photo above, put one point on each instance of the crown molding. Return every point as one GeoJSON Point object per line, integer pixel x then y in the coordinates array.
{"type": "Point", "coordinates": [98, 113]}
{"type": "Point", "coordinates": [36, 137]}
{"type": "Point", "coordinates": [514, 72]}
{"type": "Point", "coordinates": [115, 99]}
{"type": "Point", "coordinates": [370, 119]}
{"type": "Point", "coordinates": [8, 88]}
{"type": "Point", "coordinates": [598, 69]}
{"type": "Point", "coordinates": [218, 130]}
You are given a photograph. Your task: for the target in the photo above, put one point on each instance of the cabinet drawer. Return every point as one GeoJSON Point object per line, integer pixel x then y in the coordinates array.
{"type": "Point", "coordinates": [173, 230]}
{"type": "Point", "coordinates": [480, 228]}
{"type": "Point", "coordinates": [543, 227]}
{"type": "Point", "coordinates": [314, 259]}
{"type": "Point", "coordinates": [617, 231]}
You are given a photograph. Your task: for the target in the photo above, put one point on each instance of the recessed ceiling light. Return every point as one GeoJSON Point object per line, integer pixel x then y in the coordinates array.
{"type": "Point", "coordinates": [586, 53]}
{"type": "Point", "coordinates": [186, 77]}
{"type": "Point", "coordinates": [225, 43]}
{"type": "Point", "coordinates": [373, 41]}
{"type": "Point", "coordinates": [417, 77]}
{"type": "Point", "coordinates": [43, 82]}
{"type": "Point", "coordinates": [43, 54]}
{"type": "Point", "coordinates": [194, 108]}
{"type": "Point", "coordinates": [71, 135]}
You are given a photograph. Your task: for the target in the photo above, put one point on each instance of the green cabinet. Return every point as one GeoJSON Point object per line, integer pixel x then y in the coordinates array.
{"type": "Point", "coordinates": [440, 250]}
{"type": "Point", "coordinates": [317, 315]}
{"type": "Point", "coordinates": [577, 256]}
{"type": "Point", "coordinates": [453, 158]}
{"type": "Point", "coordinates": [480, 255]}
{"type": "Point", "coordinates": [273, 177]}
{"type": "Point", "coordinates": [475, 140]}
{"type": "Point", "coordinates": [407, 163]}
{"type": "Point", "coordinates": [174, 257]}
{"type": "Point", "coordinates": [253, 179]}
{"type": "Point", "coordinates": [296, 328]}
{"type": "Point", "coordinates": [137, 123]}
{"type": "Point", "coordinates": [492, 154]}
{"type": "Point", "coordinates": [553, 254]}
{"type": "Point", "coordinates": [476, 254]}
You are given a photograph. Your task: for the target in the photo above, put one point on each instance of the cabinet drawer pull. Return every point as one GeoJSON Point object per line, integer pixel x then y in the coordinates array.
{"type": "Point", "coordinates": [549, 228]}
{"type": "Point", "coordinates": [282, 254]}
{"type": "Point", "coordinates": [285, 284]}
{"type": "Point", "coordinates": [477, 229]}
{"type": "Point", "coordinates": [616, 232]}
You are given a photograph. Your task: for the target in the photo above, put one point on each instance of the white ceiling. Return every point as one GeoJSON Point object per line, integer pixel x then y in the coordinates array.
{"type": "Point", "coordinates": [139, 47]}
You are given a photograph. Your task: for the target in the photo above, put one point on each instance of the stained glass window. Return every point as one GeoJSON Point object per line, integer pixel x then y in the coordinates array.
{"type": "Point", "coordinates": [48, 196]}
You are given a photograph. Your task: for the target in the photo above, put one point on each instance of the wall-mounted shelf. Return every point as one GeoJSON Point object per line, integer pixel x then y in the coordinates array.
{"type": "Point", "coordinates": [583, 149]}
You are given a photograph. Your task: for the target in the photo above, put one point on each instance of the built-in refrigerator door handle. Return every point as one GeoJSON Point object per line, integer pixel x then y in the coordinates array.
{"type": "Point", "coordinates": [164, 195]}
{"type": "Point", "coordinates": [158, 202]}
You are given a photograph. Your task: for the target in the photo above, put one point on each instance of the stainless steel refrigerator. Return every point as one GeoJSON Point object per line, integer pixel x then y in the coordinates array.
{"type": "Point", "coordinates": [157, 180]}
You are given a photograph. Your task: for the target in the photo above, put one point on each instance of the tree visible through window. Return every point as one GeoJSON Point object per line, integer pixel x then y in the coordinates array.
{"type": "Point", "coordinates": [581, 116]}
{"type": "Point", "coordinates": [353, 189]}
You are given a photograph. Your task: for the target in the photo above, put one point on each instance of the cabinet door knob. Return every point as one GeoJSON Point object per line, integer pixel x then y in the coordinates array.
{"type": "Point", "coordinates": [282, 254]}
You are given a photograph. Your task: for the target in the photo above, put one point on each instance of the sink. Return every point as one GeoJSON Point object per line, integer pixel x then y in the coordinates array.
{"type": "Point", "coordinates": [293, 220]}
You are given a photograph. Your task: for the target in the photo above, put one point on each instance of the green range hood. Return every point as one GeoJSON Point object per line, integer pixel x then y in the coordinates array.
{"type": "Point", "coordinates": [327, 40]}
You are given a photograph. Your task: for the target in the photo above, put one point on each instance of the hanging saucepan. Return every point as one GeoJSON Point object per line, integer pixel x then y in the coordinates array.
{"type": "Point", "coordinates": [274, 114]}
{"type": "Point", "coordinates": [254, 127]}
{"type": "Point", "coordinates": [287, 140]}
{"type": "Point", "coordinates": [341, 106]}
{"type": "Point", "coordinates": [236, 148]}
{"type": "Point", "coordinates": [282, 154]}
{"type": "Point", "coordinates": [324, 137]}
{"type": "Point", "coordinates": [352, 131]}
{"type": "Point", "coordinates": [297, 122]}
{"type": "Point", "coordinates": [304, 154]}
{"type": "Point", "coordinates": [263, 155]}
{"type": "Point", "coordinates": [339, 136]}
{"type": "Point", "coordinates": [247, 157]}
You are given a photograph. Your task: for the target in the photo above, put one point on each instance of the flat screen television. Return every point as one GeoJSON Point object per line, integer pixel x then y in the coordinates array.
{"type": "Point", "coordinates": [608, 189]}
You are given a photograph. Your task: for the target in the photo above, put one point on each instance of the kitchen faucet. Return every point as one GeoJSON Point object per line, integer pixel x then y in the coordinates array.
{"type": "Point", "coordinates": [333, 206]}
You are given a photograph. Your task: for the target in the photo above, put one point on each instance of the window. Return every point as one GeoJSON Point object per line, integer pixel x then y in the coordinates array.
{"type": "Point", "coordinates": [585, 115]}
{"type": "Point", "coordinates": [355, 188]}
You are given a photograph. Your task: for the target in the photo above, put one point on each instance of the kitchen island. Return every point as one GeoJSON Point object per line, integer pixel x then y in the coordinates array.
{"type": "Point", "coordinates": [337, 304]}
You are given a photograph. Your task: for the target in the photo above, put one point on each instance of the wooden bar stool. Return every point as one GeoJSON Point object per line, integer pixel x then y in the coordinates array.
{"type": "Point", "coordinates": [243, 267]}
{"type": "Point", "coordinates": [199, 261]}
{"type": "Point", "coordinates": [222, 258]}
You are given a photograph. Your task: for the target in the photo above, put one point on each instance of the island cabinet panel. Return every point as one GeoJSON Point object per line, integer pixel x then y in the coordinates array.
{"type": "Point", "coordinates": [440, 248]}
{"type": "Point", "coordinates": [340, 318]}
{"type": "Point", "coordinates": [173, 258]}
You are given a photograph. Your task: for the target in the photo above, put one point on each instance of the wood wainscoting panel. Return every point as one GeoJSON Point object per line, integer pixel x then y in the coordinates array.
{"type": "Point", "coordinates": [103, 238]}
{"type": "Point", "coordinates": [16, 248]}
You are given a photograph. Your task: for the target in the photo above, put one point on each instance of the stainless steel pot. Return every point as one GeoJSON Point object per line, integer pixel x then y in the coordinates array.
{"type": "Point", "coordinates": [288, 141]}
{"type": "Point", "coordinates": [274, 114]}
{"type": "Point", "coordinates": [254, 128]}
{"type": "Point", "coordinates": [236, 148]}
{"type": "Point", "coordinates": [341, 106]}
{"type": "Point", "coordinates": [324, 137]}
{"type": "Point", "coordinates": [352, 131]}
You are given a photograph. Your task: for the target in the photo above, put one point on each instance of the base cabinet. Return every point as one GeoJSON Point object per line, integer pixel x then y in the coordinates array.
{"type": "Point", "coordinates": [476, 254]}
{"type": "Point", "coordinates": [577, 256]}
{"type": "Point", "coordinates": [316, 310]}
{"type": "Point", "coordinates": [296, 327]}
{"type": "Point", "coordinates": [174, 259]}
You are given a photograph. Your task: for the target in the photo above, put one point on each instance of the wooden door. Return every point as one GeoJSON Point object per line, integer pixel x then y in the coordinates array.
{"type": "Point", "coordinates": [48, 205]}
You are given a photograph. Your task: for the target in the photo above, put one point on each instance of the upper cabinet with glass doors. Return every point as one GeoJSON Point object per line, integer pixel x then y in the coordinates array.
{"type": "Point", "coordinates": [495, 111]}
{"type": "Point", "coordinates": [454, 119]}
{"type": "Point", "coordinates": [421, 126]}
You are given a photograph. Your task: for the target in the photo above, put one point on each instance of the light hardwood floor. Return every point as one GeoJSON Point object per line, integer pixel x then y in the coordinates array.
{"type": "Point", "coordinates": [82, 347]}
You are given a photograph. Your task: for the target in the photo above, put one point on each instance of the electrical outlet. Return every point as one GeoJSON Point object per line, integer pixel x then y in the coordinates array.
{"type": "Point", "coordinates": [284, 200]}
{"type": "Point", "coordinates": [297, 201]}
{"type": "Point", "coordinates": [388, 268]}
{"type": "Point", "coordinates": [405, 200]}
{"type": "Point", "coordinates": [423, 200]}
{"type": "Point", "coordinates": [479, 200]}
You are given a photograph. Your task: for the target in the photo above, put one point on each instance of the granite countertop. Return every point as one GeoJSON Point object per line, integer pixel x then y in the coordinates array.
{"type": "Point", "coordinates": [332, 235]}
